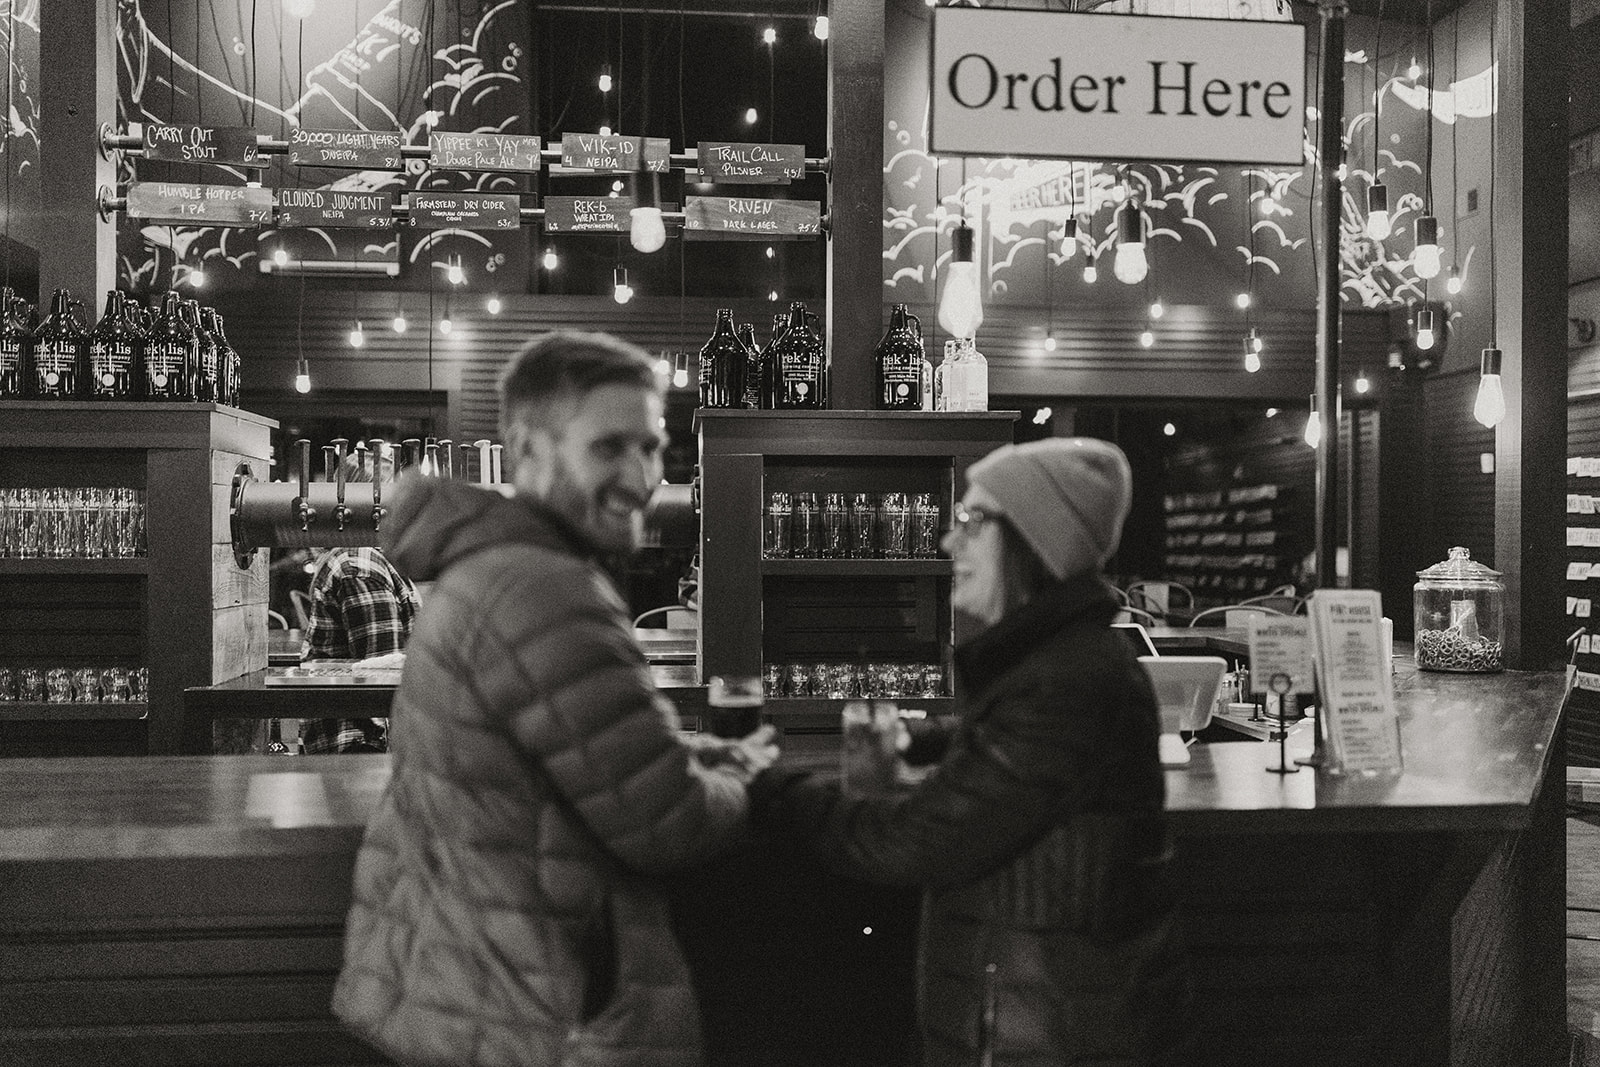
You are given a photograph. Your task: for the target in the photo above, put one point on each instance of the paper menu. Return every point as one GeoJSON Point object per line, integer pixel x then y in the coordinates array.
{"type": "Point", "coordinates": [1280, 649]}
{"type": "Point", "coordinates": [1357, 691]}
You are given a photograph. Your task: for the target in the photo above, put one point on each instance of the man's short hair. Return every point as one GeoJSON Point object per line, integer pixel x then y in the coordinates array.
{"type": "Point", "coordinates": [569, 364]}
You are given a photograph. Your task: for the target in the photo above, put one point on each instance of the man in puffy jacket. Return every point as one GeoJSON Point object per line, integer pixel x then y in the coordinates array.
{"type": "Point", "coordinates": [506, 909]}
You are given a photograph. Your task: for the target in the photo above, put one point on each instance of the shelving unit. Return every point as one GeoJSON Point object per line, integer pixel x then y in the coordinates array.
{"type": "Point", "coordinates": [756, 611]}
{"type": "Point", "coordinates": [184, 610]}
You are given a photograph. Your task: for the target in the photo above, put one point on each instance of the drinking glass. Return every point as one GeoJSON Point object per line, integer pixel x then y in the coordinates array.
{"type": "Point", "coordinates": [114, 685]}
{"type": "Point", "coordinates": [86, 685]}
{"type": "Point", "coordinates": [868, 750]}
{"type": "Point", "coordinates": [807, 527]}
{"type": "Point", "coordinates": [835, 526]}
{"type": "Point", "coordinates": [140, 548]}
{"type": "Point", "coordinates": [92, 513]}
{"type": "Point", "coordinates": [775, 541]}
{"type": "Point", "coordinates": [8, 685]}
{"type": "Point", "coordinates": [864, 526]}
{"type": "Point", "coordinates": [799, 682]}
{"type": "Point", "coordinates": [838, 679]}
{"type": "Point", "coordinates": [56, 539]}
{"type": "Point", "coordinates": [817, 679]}
{"type": "Point", "coordinates": [772, 679]}
{"type": "Point", "coordinates": [931, 680]}
{"type": "Point", "coordinates": [30, 685]}
{"type": "Point", "coordinates": [29, 525]}
{"type": "Point", "coordinates": [121, 525]}
{"type": "Point", "coordinates": [924, 526]}
{"type": "Point", "coordinates": [139, 684]}
{"type": "Point", "coordinates": [733, 705]}
{"type": "Point", "coordinates": [895, 531]}
{"type": "Point", "coordinates": [58, 685]}
{"type": "Point", "coordinates": [7, 523]}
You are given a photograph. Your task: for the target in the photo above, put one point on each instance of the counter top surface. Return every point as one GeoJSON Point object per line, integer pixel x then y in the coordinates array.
{"type": "Point", "coordinates": [1476, 751]}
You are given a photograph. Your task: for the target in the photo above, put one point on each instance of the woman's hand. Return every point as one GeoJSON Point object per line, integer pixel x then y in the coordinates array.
{"type": "Point", "coordinates": [744, 757]}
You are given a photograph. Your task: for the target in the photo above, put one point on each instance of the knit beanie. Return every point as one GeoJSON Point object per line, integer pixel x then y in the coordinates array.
{"type": "Point", "coordinates": [1066, 496]}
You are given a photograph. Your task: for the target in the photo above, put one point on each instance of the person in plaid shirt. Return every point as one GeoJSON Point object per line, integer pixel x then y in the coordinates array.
{"type": "Point", "coordinates": [360, 607]}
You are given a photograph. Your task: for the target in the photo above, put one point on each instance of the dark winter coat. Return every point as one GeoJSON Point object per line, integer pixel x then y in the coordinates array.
{"type": "Point", "coordinates": [504, 908]}
{"type": "Point", "coordinates": [1047, 927]}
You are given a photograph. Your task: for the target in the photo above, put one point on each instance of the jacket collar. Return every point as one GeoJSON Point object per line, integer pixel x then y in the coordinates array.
{"type": "Point", "coordinates": [437, 522]}
{"type": "Point", "coordinates": [1085, 597]}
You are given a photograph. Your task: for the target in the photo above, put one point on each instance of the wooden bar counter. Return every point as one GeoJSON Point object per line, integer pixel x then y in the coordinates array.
{"type": "Point", "coordinates": [188, 909]}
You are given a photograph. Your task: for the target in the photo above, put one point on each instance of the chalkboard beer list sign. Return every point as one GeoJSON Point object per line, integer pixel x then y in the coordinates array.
{"type": "Point", "coordinates": [350, 149]}
{"type": "Point", "coordinates": [751, 218]}
{"type": "Point", "coordinates": [335, 207]}
{"type": "Point", "coordinates": [615, 153]}
{"type": "Point", "coordinates": [741, 163]}
{"type": "Point", "coordinates": [233, 146]}
{"type": "Point", "coordinates": [233, 205]}
{"type": "Point", "coordinates": [464, 211]}
{"type": "Point", "coordinates": [484, 151]}
{"type": "Point", "coordinates": [587, 214]}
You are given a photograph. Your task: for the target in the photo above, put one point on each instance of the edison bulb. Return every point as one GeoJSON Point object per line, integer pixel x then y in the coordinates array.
{"type": "Point", "coordinates": [1453, 284]}
{"type": "Point", "coordinates": [1313, 434]}
{"type": "Point", "coordinates": [1490, 406]}
{"type": "Point", "coordinates": [1426, 261]}
{"type": "Point", "coordinates": [197, 277]}
{"type": "Point", "coordinates": [445, 325]}
{"type": "Point", "coordinates": [769, 36]}
{"type": "Point", "coordinates": [1170, 430]}
{"type": "Point", "coordinates": [550, 259]}
{"type": "Point", "coordinates": [1131, 265]}
{"type": "Point", "coordinates": [680, 378]}
{"type": "Point", "coordinates": [771, 252]}
{"type": "Point", "coordinates": [1268, 205]}
{"type": "Point", "coordinates": [819, 29]}
{"type": "Point", "coordinates": [455, 275]}
{"type": "Point", "coordinates": [960, 309]}
{"type": "Point", "coordinates": [1147, 338]}
{"type": "Point", "coordinates": [1157, 309]}
{"type": "Point", "coordinates": [622, 293]}
{"type": "Point", "coordinates": [1252, 362]}
{"type": "Point", "coordinates": [646, 231]}
{"type": "Point", "coordinates": [1363, 384]}
{"type": "Point", "coordinates": [399, 324]}
{"type": "Point", "coordinates": [302, 383]}
{"type": "Point", "coordinates": [1425, 339]}
{"type": "Point", "coordinates": [1272, 413]}
{"type": "Point", "coordinates": [1378, 225]}
{"type": "Point", "coordinates": [280, 257]}
{"type": "Point", "coordinates": [1090, 274]}
{"type": "Point", "coordinates": [492, 305]}
{"type": "Point", "coordinates": [1242, 301]}
{"type": "Point", "coordinates": [750, 116]}
{"type": "Point", "coordinates": [357, 337]}
{"type": "Point", "coordinates": [605, 131]}
{"type": "Point", "coordinates": [605, 83]}
{"type": "Point", "coordinates": [1050, 344]}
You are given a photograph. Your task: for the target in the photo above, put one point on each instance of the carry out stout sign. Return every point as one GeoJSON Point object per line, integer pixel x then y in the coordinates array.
{"type": "Point", "coordinates": [1043, 84]}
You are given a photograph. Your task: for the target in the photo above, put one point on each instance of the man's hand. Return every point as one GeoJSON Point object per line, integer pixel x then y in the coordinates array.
{"type": "Point", "coordinates": [744, 758]}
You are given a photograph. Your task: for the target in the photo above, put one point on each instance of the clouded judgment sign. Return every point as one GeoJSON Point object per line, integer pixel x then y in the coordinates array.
{"type": "Point", "coordinates": [1046, 84]}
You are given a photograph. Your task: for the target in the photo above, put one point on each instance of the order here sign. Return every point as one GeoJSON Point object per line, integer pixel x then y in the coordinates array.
{"type": "Point", "coordinates": [1043, 84]}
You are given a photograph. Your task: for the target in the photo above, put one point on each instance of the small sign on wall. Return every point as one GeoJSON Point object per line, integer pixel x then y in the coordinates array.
{"type": "Point", "coordinates": [1066, 85]}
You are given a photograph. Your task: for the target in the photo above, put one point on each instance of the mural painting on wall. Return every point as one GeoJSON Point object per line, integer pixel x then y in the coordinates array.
{"type": "Point", "coordinates": [405, 67]}
{"type": "Point", "coordinates": [1205, 226]}
{"type": "Point", "coordinates": [19, 36]}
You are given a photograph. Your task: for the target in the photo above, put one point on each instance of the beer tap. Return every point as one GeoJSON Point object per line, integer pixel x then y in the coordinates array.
{"type": "Point", "coordinates": [330, 460]}
{"type": "Point", "coordinates": [341, 513]}
{"type": "Point", "coordinates": [494, 462]}
{"type": "Point", "coordinates": [430, 461]}
{"type": "Point", "coordinates": [378, 510]}
{"type": "Point", "coordinates": [447, 450]}
{"type": "Point", "coordinates": [302, 503]}
{"type": "Point", "coordinates": [482, 445]}
{"type": "Point", "coordinates": [413, 451]}
{"type": "Point", "coordinates": [361, 456]}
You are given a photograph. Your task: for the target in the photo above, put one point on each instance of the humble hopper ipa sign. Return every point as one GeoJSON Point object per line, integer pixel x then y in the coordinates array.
{"type": "Point", "coordinates": [1047, 84]}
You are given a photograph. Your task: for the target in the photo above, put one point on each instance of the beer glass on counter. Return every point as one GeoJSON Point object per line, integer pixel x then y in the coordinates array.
{"type": "Point", "coordinates": [733, 706]}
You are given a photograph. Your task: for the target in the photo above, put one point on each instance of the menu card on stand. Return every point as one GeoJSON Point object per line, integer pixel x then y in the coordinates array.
{"type": "Point", "coordinates": [1358, 711]}
{"type": "Point", "coordinates": [1280, 654]}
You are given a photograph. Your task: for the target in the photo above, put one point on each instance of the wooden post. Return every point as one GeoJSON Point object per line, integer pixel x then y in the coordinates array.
{"type": "Point", "coordinates": [77, 93]}
{"type": "Point", "coordinates": [855, 200]}
{"type": "Point", "coordinates": [1530, 241]}
{"type": "Point", "coordinates": [1331, 123]}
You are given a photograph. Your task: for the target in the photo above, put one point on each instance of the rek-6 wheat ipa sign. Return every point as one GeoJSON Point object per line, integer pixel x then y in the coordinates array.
{"type": "Point", "coordinates": [1046, 84]}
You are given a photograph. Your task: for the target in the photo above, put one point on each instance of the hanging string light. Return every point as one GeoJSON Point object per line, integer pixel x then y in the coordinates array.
{"type": "Point", "coordinates": [1131, 265]}
{"type": "Point", "coordinates": [1313, 431]}
{"type": "Point", "coordinates": [1453, 284]}
{"type": "Point", "coordinates": [1378, 224]}
{"type": "Point", "coordinates": [621, 291]}
{"type": "Point", "coordinates": [1425, 256]}
{"type": "Point", "coordinates": [1489, 407]}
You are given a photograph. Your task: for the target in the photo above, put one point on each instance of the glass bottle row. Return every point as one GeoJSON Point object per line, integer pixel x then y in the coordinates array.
{"type": "Point", "coordinates": [850, 526]}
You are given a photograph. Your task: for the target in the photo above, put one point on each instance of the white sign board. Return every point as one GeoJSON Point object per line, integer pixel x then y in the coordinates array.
{"type": "Point", "coordinates": [1357, 691]}
{"type": "Point", "coordinates": [1050, 84]}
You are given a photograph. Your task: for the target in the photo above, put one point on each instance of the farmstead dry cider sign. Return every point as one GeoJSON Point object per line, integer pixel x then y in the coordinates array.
{"type": "Point", "coordinates": [1045, 84]}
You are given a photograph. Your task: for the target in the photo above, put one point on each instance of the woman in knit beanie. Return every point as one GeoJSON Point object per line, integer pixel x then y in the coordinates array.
{"type": "Point", "coordinates": [1039, 839]}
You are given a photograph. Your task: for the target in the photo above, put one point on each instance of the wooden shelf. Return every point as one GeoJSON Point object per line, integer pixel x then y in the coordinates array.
{"type": "Point", "coordinates": [803, 705]}
{"type": "Point", "coordinates": [72, 566]}
{"type": "Point", "coordinates": [886, 568]}
{"type": "Point", "coordinates": [14, 711]}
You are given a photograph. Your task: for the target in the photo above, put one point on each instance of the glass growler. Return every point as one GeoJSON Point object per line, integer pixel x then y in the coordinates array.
{"type": "Point", "coordinates": [227, 358]}
{"type": "Point", "coordinates": [899, 361]}
{"type": "Point", "coordinates": [171, 352]}
{"type": "Point", "coordinates": [752, 361]}
{"type": "Point", "coordinates": [16, 343]}
{"type": "Point", "coordinates": [114, 353]}
{"type": "Point", "coordinates": [205, 365]}
{"type": "Point", "coordinates": [58, 351]}
{"type": "Point", "coordinates": [723, 360]}
{"type": "Point", "coordinates": [800, 363]}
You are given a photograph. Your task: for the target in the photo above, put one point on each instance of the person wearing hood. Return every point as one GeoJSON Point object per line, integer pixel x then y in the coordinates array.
{"type": "Point", "coordinates": [507, 901]}
{"type": "Point", "coordinates": [1047, 933]}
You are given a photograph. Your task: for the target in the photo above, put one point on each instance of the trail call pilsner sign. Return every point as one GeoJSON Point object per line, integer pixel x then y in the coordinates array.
{"type": "Point", "coordinates": [1048, 84]}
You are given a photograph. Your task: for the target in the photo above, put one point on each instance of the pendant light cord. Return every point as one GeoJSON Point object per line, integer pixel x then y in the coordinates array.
{"type": "Point", "coordinates": [1377, 99]}
{"type": "Point", "coordinates": [1494, 108]}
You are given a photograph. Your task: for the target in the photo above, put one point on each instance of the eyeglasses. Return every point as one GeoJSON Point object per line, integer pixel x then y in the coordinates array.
{"type": "Point", "coordinates": [968, 521]}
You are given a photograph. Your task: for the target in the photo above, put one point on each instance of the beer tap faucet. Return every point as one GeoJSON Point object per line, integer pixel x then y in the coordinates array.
{"type": "Point", "coordinates": [361, 456]}
{"type": "Point", "coordinates": [413, 451]}
{"type": "Point", "coordinates": [482, 445]}
{"type": "Point", "coordinates": [430, 463]}
{"type": "Point", "coordinates": [341, 513]}
{"type": "Point", "coordinates": [302, 503]}
{"type": "Point", "coordinates": [494, 463]}
{"type": "Point", "coordinates": [447, 453]}
{"type": "Point", "coordinates": [330, 460]}
{"type": "Point", "coordinates": [378, 510]}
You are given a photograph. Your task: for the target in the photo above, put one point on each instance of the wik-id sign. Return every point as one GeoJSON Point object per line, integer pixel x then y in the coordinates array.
{"type": "Point", "coordinates": [1048, 84]}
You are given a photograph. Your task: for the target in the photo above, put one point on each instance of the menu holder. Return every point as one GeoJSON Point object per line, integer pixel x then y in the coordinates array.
{"type": "Point", "coordinates": [615, 153]}
{"type": "Point", "coordinates": [1281, 663]}
{"type": "Point", "coordinates": [1357, 691]}
{"type": "Point", "coordinates": [737, 218]}
{"type": "Point", "coordinates": [230, 146]}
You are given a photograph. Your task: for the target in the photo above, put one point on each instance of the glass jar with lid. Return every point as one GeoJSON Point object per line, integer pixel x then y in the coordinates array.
{"type": "Point", "coordinates": [1460, 613]}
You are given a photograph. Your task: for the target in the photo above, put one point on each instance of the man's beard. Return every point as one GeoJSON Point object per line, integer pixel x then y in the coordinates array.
{"type": "Point", "coordinates": [584, 512]}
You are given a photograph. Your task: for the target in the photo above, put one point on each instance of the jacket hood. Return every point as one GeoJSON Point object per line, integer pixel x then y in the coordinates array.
{"type": "Point", "coordinates": [435, 522]}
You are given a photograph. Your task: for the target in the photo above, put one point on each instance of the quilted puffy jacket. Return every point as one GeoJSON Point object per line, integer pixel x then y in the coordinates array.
{"type": "Point", "coordinates": [1047, 933]}
{"type": "Point", "coordinates": [504, 906]}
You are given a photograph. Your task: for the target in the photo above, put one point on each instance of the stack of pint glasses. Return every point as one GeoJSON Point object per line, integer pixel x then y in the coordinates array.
{"type": "Point", "coordinates": [850, 526]}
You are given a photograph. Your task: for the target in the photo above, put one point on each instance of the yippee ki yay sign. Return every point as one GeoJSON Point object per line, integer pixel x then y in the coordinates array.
{"type": "Point", "coordinates": [1046, 84]}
